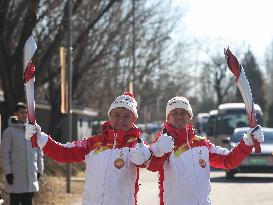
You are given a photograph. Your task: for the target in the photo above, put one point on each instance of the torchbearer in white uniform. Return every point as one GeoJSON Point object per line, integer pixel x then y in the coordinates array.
{"type": "Point", "coordinates": [112, 158]}
{"type": "Point", "coordinates": [183, 159]}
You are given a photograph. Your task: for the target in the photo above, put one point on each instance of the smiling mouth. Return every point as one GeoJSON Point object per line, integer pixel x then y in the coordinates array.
{"type": "Point", "coordinates": [180, 121]}
{"type": "Point", "coordinates": [123, 125]}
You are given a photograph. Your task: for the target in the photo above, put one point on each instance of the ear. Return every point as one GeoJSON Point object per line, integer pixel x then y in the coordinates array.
{"type": "Point", "coordinates": [134, 120]}
{"type": "Point", "coordinates": [167, 120]}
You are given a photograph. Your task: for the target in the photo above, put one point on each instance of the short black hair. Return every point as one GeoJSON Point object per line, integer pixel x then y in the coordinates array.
{"type": "Point", "coordinates": [20, 105]}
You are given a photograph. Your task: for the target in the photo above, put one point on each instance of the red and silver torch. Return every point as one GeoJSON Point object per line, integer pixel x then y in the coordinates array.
{"type": "Point", "coordinates": [29, 79]}
{"type": "Point", "coordinates": [243, 85]}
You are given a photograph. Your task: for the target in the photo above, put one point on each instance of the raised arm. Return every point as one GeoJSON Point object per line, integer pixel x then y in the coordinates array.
{"type": "Point", "coordinates": [67, 153]}
{"type": "Point", "coordinates": [225, 159]}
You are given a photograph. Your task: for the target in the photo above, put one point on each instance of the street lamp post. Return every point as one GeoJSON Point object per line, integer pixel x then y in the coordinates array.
{"type": "Point", "coordinates": [69, 82]}
{"type": "Point", "coordinates": [132, 82]}
{"type": "Point", "coordinates": [134, 42]}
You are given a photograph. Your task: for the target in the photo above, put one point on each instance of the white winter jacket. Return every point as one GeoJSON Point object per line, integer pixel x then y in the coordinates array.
{"type": "Point", "coordinates": [184, 174]}
{"type": "Point", "coordinates": [105, 184]}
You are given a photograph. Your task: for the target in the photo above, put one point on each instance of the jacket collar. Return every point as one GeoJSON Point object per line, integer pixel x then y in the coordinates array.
{"type": "Point", "coordinates": [123, 138]}
{"type": "Point", "coordinates": [180, 135]}
{"type": "Point", "coordinates": [13, 122]}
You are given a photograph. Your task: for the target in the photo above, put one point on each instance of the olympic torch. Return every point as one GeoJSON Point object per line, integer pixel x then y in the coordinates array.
{"type": "Point", "coordinates": [29, 79]}
{"type": "Point", "coordinates": [243, 85]}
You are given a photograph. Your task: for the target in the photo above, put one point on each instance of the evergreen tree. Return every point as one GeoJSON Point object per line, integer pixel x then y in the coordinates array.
{"type": "Point", "coordinates": [269, 122]}
{"type": "Point", "coordinates": [255, 79]}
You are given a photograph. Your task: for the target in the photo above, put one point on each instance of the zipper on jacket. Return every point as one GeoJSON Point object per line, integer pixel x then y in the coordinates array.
{"type": "Point", "coordinates": [193, 161]}
{"type": "Point", "coordinates": [107, 168]}
{"type": "Point", "coordinates": [115, 139]}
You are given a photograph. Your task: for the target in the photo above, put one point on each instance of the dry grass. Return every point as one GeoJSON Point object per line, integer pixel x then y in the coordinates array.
{"type": "Point", "coordinates": [53, 192]}
{"type": "Point", "coordinates": [53, 185]}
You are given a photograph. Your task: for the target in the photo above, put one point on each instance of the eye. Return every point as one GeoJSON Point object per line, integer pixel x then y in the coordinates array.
{"type": "Point", "coordinates": [128, 115]}
{"type": "Point", "coordinates": [115, 115]}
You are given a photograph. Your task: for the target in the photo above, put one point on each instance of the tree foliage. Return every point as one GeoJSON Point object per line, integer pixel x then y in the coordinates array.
{"type": "Point", "coordinates": [255, 78]}
{"type": "Point", "coordinates": [269, 73]}
{"type": "Point", "coordinates": [216, 82]}
{"type": "Point", "coordinates": [103, 60]}
{"type": "Point", "coordinates": [269, 122]}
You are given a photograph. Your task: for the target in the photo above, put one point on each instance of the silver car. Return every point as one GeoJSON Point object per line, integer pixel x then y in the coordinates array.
{"type": "Point", "coordinates": [254, 163]}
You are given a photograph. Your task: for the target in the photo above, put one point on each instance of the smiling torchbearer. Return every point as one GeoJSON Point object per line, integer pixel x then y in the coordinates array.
{"type": "Point", "coordinates": [29, 79]}
{"type": "Point", "coordinates": [243, 85]}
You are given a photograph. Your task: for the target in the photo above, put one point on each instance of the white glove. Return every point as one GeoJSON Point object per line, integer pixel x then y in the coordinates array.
{"type": "Point", "coordinates": [140, 154]}
{"type": "Point", "coordinates": [163, 145]}
{"type": "Point", "coordinates": [257, 134]}
{"type": "Point", "coordinates": [33, 129]}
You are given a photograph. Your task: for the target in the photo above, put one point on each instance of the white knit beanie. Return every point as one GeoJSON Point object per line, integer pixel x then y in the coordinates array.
{"type": "Point", "coordinates": [178, 102]}
{"type": "Point", "coordinates": [127, 100]}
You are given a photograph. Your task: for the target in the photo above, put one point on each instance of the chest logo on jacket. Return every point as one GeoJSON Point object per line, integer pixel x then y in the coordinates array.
{"type": "Point", "coordinates": [119, 163]}
{"type": "Point", "coordinates": [202, 163]}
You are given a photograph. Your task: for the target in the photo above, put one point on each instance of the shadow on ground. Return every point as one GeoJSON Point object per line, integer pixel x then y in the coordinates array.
{"type": "Point", "coordinates": [241, 178]}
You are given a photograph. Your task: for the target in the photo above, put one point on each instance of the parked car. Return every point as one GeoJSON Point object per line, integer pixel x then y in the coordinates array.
{"type": "Point", "coordinates": [149, 130]}
{"type": "Point", "coordinates": [254, 163]}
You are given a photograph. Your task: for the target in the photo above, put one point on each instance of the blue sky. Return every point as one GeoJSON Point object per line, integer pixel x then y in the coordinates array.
{"type": "Point", "coordinates": [242, 21]}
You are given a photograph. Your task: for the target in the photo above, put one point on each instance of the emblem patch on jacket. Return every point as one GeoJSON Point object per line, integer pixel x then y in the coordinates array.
{"type": "Point", "coordinates": [202, 163]}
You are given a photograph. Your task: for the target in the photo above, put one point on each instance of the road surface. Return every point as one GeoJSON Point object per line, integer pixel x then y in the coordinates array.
{"type": "Point", "coordinates": [245, 189]}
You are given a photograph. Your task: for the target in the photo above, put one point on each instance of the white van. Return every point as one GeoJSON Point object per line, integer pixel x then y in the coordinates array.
{"type": "Point", "coordinates": [228, 117]}
{"type": "Point", "coordinates": [201, 123]}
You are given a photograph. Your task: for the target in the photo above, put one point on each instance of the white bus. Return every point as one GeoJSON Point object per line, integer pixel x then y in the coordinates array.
{"type": "Point", "coordinates": [228, 117]}
{"type": "Point", "coordinates": [201, 123]}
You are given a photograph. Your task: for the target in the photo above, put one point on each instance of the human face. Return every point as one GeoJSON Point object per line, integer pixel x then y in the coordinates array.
{"type": "Point", "coordinates": [178, 118]}
{"type": "Point", "coordinates": [22, 115]}
{"type": "Point", "coordinates": [122, 119]}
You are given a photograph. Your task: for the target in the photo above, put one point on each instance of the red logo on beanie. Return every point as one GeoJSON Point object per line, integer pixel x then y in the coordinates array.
{"type": "Point", "coordinates": [130, 94]}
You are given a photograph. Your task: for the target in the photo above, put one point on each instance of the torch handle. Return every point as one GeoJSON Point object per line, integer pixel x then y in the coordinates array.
{"type": "Point", "coordinates": [33, 138]}
{"type": "Point", "coordinates": [257, 145]}
{"type": "Point", "coordinates": [34, 141]}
